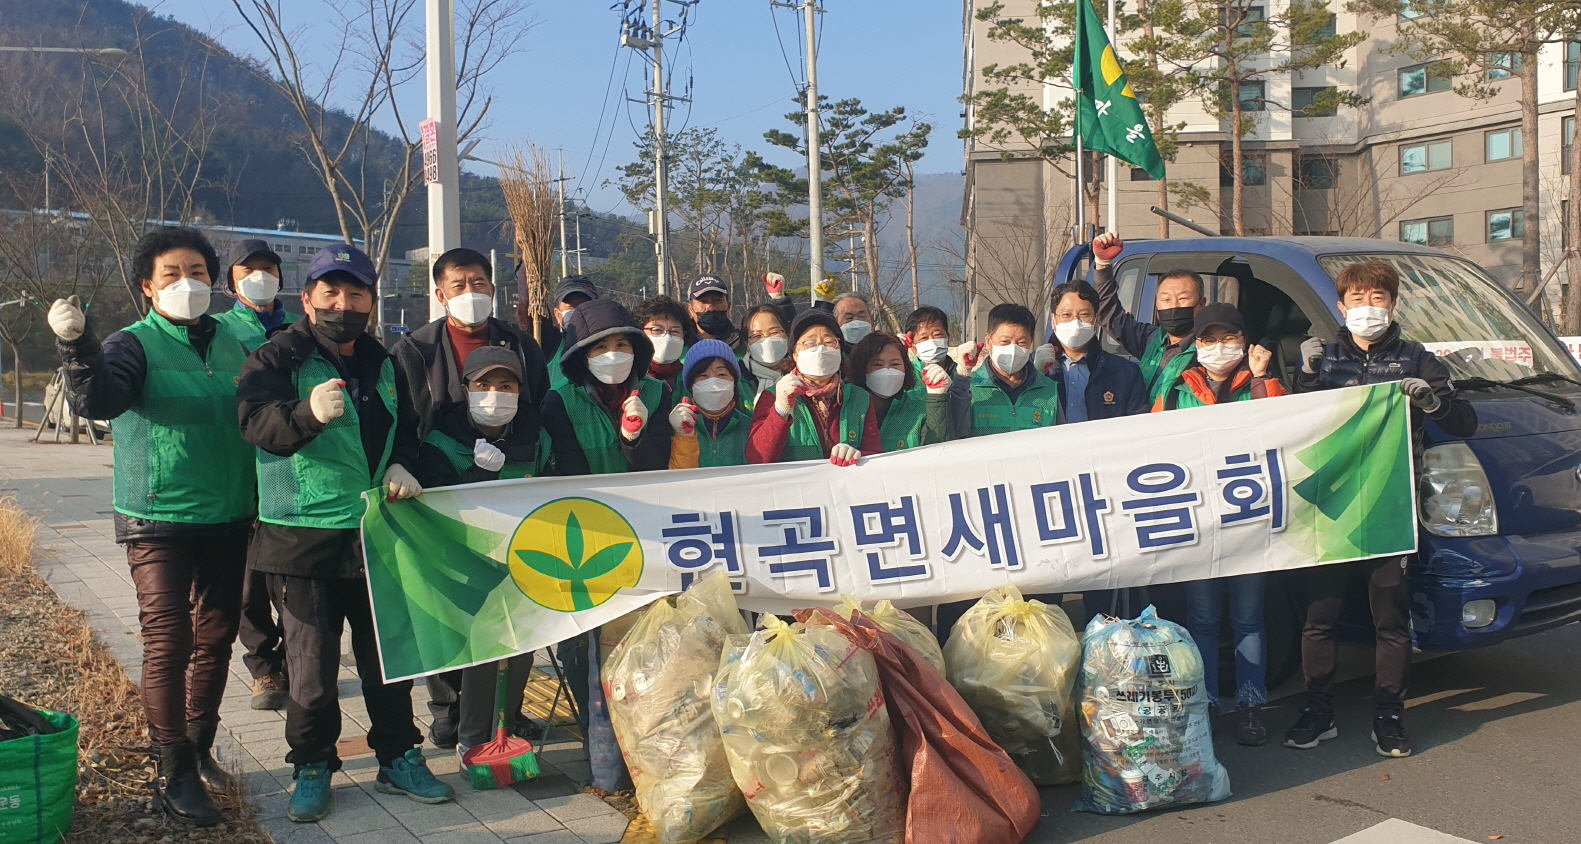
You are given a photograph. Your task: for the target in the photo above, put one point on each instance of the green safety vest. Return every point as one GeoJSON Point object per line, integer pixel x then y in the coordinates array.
{"type": "Point", "coordinates": [730, 447]}
{"type": "Point", "coordinates": [595, 431]}
{"type": "Point", "coordinates": [179, 452]}
{"type": "Point", "coordinates": [557, 377]}
{"type": "Point", "coordinates": [461, 457]}
{"type": "Point", "coordinates": [1036, 406]}
{"type": "Point", "coordinates": [243, 322]}
{"type": "Point", "coordinates": [322, 484]}
{"type": "Point", "coordinates": [1159, 376]}
{"type": "Point", "coordinates": [803, 442]}
{"type": "Point", "coordinates": [904, 422]}
{"type": "Point", "coordinates": [1184, 396]}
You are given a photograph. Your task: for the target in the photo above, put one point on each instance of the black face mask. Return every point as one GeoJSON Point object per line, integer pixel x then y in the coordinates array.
{"type": "Point", "coordinates": [715, 323]}
{"type": "Point", "coordinates": [1177, 322]}
{"type": "Point", "coordinates": [339, 326]}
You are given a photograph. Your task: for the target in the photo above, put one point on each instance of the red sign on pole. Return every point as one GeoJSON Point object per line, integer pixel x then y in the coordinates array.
{"type": "Point", "coordinates": [430, 132]}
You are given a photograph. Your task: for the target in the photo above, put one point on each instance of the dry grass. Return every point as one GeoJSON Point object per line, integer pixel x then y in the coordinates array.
{"type": "Point", "coordinates": [53, 660]}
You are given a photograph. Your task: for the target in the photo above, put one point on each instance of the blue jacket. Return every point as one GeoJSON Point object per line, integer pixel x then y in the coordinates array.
{"type": "Point", "coordinates": [1115, 386]}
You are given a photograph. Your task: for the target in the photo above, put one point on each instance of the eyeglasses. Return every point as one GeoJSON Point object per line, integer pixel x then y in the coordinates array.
{"type": "Point", "coordinates": [804, 344]}
{"type": "Point", "coordinates": [655, 331]}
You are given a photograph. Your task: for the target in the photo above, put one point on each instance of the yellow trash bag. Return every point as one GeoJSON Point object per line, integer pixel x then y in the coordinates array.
{"type": "Point", "coordinates": [1016, 663]}
{"type": "Point", "coordinates": [809, 737]}
{"type": "Point", "coordinates": [900, 623]}
{"type": "Point", "coordinates": [657, 683]}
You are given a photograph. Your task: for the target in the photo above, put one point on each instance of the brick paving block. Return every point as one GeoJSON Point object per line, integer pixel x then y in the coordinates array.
{"type": "Point", "coordinates": [574, 806]}
{"type": "Point", "coordinates": [384, 836]}
{"type": "Point", "coordinates": [271, 805]}
{"type": "Point", "coordinates": [474, 834]}
{"type": "Point", "coordinates": [285, 831]}
{"type": "Point", "coordinates": [599, 829]}
{"type": "Point", "coordinates": [527, 822]}
{"type": "Point", "coordinates": [561, 837]}
{"type": "Point", "coordinates": [424, 819]}
{"type": "Point", "coordinates": [545, 787]}
{"type": "Point", "coordinates": [354, 811]}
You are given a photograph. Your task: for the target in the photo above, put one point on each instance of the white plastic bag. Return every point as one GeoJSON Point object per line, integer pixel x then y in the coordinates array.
{"type": "Point", "coordinates": [902, 625]}
{"type": "Point", "coordinates": [1145, 718]}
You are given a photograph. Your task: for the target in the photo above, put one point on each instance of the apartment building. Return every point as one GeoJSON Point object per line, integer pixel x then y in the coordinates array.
{"type": "Point", "coordinates": [1419, 162]}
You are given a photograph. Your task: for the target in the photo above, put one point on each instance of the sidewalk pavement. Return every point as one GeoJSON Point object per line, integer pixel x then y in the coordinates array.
{"type": "Point", "coordinates": [68, 488]}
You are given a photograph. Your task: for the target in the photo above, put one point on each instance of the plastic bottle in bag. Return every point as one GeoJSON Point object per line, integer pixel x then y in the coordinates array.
{"type": "Point", "coordinates": [808, 737]}
{"type": "Point", "coordinates": [1145, 718]}
{"type": "Point", "coordinates": [902, 625]}
{"type": "Point", "coordinates": [1015, 662]}
{"type": "Point", "coordinates": [658, 683]}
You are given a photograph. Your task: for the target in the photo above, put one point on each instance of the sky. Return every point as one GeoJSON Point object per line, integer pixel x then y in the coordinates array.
{"type": "Point", "coordinates": [884, 52]}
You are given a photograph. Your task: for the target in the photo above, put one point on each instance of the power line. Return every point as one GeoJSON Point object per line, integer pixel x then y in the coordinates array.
{"type": "Point", "coordinates": [614, 62]}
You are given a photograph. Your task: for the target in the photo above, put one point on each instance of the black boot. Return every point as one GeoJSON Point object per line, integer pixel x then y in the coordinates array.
{"type": "Point", "coordinates": [214, 775]}
{"type": "Point", "coordinates": [180, 790]}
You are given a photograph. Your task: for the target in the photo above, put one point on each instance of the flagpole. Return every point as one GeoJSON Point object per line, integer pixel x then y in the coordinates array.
{"type": "Point", "coordinates": [1112, 173]}
{"type": "Point", "coordinates": [1081, 184]}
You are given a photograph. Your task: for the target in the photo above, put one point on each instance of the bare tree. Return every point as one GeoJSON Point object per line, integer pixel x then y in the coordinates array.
{"type": "Point", "coordinates": [1348, 196]}
{"type": "Point", "coordinates": [1005, 257]}
{"type": "Point", "coordinates": [370, 175]}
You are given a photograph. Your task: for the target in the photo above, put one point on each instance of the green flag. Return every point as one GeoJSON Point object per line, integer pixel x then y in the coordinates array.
{"type": "Point", "coordinates": [1109, 119]}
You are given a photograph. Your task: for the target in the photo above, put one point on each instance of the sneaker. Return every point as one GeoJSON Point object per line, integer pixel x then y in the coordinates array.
{"type": "Point", "coordinates": [443, 733]}
{"type": "Point", "coordinates": [269, 692]}
{"type": "Point", "coordinates": [1249, 728]}
{"type": "Point", "coordinates": [1312, 727]}
{"type": "Point", "coordinates": [409, 775]}
{"type": "Point", "coordinates": [310, 800]}
{"type": "Point", "coordinates": [1388, 733]}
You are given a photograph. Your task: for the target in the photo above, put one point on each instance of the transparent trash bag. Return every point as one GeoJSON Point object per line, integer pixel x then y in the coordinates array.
{"type": "Point", "coordinates": [901, 625]}
{"type": "Point", "coordinates": [1015, 662]}
{"type": "Point", "coordinates": [657, 684]}
{"type": "Point", "coordinates": [1145, 718]}
{"type": "Point", "coordinates": [809, 737]}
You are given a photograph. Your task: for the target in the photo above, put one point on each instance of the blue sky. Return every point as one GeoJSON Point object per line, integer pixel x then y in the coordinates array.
{"type": "Point", "coordinates": [885, 52]}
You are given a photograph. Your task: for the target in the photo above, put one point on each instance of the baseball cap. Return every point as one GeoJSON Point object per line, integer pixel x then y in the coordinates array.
{"type": "Point", "coordinates": [1221, 314]}
{"type": "Point", "coordinates": [345, 258]}
{"type": "Point", "coordinates": [489, 358]}
{"type": "Point", "coordinates": [574, 284]}
{"type": "Point", "coordinates": [708, 284]}
{"type": "Point", "coordinates": [244, 250]}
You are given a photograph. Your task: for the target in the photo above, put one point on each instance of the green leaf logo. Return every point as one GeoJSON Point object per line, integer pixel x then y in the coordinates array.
{"type": "Point", "coordinates": [550, 560]}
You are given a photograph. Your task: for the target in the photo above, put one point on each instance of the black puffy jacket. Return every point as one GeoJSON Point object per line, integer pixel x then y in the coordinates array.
{"type": "Point", "coordinates": [1391, 358]}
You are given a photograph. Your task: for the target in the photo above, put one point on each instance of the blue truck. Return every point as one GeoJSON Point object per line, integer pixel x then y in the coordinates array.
{"type": "Point", "coordinates": [1499, 513]}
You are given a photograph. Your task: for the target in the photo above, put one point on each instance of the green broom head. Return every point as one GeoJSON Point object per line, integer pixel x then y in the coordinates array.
{"type": "Point", "coordinates": [500, 763]}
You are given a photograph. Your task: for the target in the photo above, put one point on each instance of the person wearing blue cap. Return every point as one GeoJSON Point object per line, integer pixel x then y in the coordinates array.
{"type": "Point", "coordinates": [332, 417]}
{"type": "Point", "coordinates": [709, 378]}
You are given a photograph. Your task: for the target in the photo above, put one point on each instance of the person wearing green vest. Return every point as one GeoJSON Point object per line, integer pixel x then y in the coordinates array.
{"type": "Point", "coordinates": [669, 328]}
{"type": "Point", "coordinates": [572, 291]}
{"type": "Point", "coordinates": [1008, 392]}
{"type": "Point", "coordinates": [485, 438]}
{"type": "Point", "coordinates": [185, 495]}
{"type": "Point", "coordinates": [1224, 369]}
{"type": "Point", "coordinates": [907, 417]}
{"type": "Point", "coordinates": [711, 375]}
{"type": "Point", "coordinates": [814, 412]}
{"type": "Point", "coordinates": [255, 279]}
{"type": "Point", "coordinates": [1164, 349]}
{"type": "Point", "coordinates": [927, 339]}
{"type": "Point", "coordinates": [332, 418]}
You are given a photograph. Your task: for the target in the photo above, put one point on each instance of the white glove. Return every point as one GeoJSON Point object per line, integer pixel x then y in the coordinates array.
{"type": "Point", "coordinates": [785, 391]}
{"type": "Point", "coordinates": [400, 483]}
{"type": "Point", "coordinates": [633, 417]}
{"type": "Point", "coordinates": [328, 400]}
{"type": "Point", "coordinates": [1311, 355]}
{"type": "Point", "coordinates": [1421, 394]}
{"type": "Point", "coordinates": [66, 319]}
{"type": "Point", "coordinates": [683, 419]}
{"type": "Point", "coordinates": [935, 379]}
{"type": "Point", "coordinates": [844, 454]}
{"type": "Point", "coordinates": [967, 356]}
{"type": "Point", "coordinates": [1043, 357]}
{"type": "Point", "coordinates": [487, 457]}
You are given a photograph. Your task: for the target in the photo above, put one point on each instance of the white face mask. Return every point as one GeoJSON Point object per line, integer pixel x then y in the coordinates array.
{"type": "Point", "coordinates": [885, 382]}
{"type": "Point", "coordinates": [1367, 322]}
{"type": "Point", "coordinates": [855, 330]}
{"type": "Point", "coordinates": [470, 308]}
{"type": "Point", "coordinates": [1074, 334]}
{"type": "Point", "coordinates": [769, 350]}
{"type": "Point", "coordinates": [184, 300]}
{"type": "Point", "coordinates": [932, 351]}
{"type": "Point", "coordinates": [666, 348]}
{"type": "Point", "coordinates": [258, 287]}
{"type": "Point", "coordinates": [818, 361]}
{"type": "Point", "coordinates": [610, 367]}
{"type": "Point", "coordinates": [714, 394]}
{"type": "Point", "coordinates": [1009, 359]}
{"type": "Point", "coordinates": [1220, 358]}
{"type": "Point", "coordinates": [491, 408]}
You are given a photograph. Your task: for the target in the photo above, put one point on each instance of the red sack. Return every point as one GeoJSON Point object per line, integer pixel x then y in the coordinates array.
{"type": "Point", "coordinates": [963, 788]}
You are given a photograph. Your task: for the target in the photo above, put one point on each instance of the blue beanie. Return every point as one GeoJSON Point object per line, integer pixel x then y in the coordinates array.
{"type": "Point", "coordinates": [702, 352]}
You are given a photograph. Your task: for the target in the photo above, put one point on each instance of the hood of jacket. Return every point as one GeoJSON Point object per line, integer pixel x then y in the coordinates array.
{"type": "Point", "coordinates": [593, 321]}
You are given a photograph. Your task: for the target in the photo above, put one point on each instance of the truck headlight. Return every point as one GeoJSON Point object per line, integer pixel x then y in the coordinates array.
{"type": "Point", "coordinates": [1455, 495]}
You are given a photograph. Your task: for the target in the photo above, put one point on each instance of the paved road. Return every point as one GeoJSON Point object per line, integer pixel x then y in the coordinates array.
{"type": "Point", "coordinates": [1495, 732]}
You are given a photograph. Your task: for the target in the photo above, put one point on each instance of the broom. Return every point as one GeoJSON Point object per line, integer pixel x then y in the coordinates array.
{"type": "Point", "coordinates": [506, 759]}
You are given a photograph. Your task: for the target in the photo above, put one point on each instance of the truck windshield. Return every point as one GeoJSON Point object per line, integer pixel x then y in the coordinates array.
{"type": "Point", "coordinates": [1449, 306]}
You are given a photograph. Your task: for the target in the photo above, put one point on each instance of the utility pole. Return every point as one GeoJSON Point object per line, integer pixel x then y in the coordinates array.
{"type": "Point", "coordinates": [444, 198]}
{"type": "Point", "coordinates": [579, 216]}
{"type": "Point", "coordinates": [1112, 171]}
{"type": "Point", "coordinates": [560, 184]}
{"type": "Point", "coordinates": [814, 150]}
{"type": "Point", "coordinates": [642, 36]}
